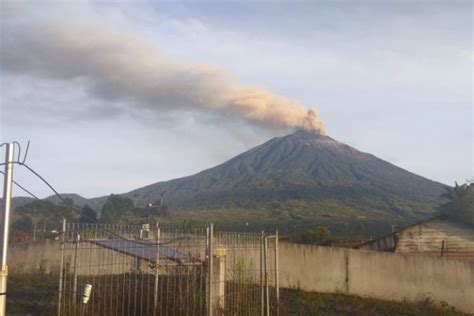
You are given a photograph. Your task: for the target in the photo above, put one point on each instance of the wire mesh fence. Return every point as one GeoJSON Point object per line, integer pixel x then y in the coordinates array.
{"type": "Point", "coordinates": [147, 270]}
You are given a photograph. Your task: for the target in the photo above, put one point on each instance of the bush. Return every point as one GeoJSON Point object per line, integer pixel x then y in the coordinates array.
{"type": "Point", "coordinates": [316, 235]}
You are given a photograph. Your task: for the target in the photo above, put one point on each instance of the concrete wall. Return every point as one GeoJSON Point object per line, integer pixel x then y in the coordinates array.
{"type": "Point", "coordinates": [380, 275]}
{"type": "Point", "coordinates": [29, 257]}
{"type": "Point", "coordinates": [376, 274]}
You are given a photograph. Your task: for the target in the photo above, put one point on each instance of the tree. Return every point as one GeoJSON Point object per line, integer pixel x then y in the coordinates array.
{"type": "Point", "coordinates": [69, 202]}
{"type": "Point", "coordinates": [316, 235]}
{"type": "Point", "coordinates": [459, 202]}
{"type": "Point", "coordinates": [45, 213]}
{"type": "Point", "coordinates": [23, 224]}
{"type": "Point", "coordinates": [115, 208]}
{"type": "Point", "coordinates": [88, 215]}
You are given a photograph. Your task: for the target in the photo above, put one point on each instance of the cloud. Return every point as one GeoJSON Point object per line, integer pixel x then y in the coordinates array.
{"type": "Point", "coordinates": [121, 67]}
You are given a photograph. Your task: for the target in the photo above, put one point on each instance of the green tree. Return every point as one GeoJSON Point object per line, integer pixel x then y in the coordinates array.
{"type": "Point", "coordinates": [88, 215]}
{"type": "Point", "coordinates": [45, 213]}
{"type": "Point", "coordinates": [69, 202]}
{"type": "Point", "coordinates": [316, 235]}
{"type": "Point", "coordinates": [24, 224]}
{"type": "Point", "coordinates": [115, 208]}
{"type": "Point", "coordinates": [459, 202]}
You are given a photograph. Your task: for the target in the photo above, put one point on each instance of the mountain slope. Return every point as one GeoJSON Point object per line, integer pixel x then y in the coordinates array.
{"type": "Point", "coordinates": [301, 166]}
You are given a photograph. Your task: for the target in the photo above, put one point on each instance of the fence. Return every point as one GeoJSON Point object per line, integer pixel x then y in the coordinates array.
{"type": "Point", "coordinates": [143, 270]}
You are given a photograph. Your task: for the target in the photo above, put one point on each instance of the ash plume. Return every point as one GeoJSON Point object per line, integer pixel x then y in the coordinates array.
{"type": "Point", "coordinates": [122, 67]}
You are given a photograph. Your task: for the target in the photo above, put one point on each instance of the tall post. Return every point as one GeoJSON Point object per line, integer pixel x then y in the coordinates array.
{"type": "Point", "coordinates": [219, 265]}
{"type": "Point", "coordinates": [210, 271]}
{"type": "Point", "coordinates": [7, 200]}
{"type": "Point", "coordinates": [74, 284]}
{"type": "Point", "coordinates": [265, 264]}
{"type": "Point", "coordinates": [277, 280]}
{"type": "Point", "coordinates": [157, 267]}
{"type": "Point", "coordinates": [262, 285]}
{"type": "Point", "coordinates": [61, 271]}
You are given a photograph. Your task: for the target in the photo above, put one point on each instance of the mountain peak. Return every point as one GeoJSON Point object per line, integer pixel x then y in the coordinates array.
{"type": "Point", "coordinates": [308, 137]}
{"type": "Point", "coordinates": [305, 134]}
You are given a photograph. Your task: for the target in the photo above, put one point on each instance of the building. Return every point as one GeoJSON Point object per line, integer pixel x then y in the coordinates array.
{"type": "Point", "coordinates": [438, 236]}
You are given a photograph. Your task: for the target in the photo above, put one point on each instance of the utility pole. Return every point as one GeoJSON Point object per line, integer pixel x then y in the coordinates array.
{"type": "Point", "coordinates": [4, 225]}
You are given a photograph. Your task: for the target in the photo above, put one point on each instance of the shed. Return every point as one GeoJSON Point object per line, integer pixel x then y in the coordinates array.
{"type": "Point", "coordinates": [438, 236]}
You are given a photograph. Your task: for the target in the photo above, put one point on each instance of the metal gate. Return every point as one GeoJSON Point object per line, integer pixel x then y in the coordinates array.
{"type": "Point", "coordinates": [148, 270]}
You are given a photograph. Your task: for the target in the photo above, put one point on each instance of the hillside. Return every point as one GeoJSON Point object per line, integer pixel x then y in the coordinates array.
{"type": "Point", "coordinates": [306, 170]}
{"type": "Point", "coordinates": [299, 166]}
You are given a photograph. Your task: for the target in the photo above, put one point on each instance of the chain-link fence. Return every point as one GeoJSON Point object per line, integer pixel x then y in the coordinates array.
{"type": "Point", "coordinates": [145, 270]}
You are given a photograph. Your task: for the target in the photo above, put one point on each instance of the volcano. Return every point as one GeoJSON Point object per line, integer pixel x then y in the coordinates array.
{"type": "Point", "coordinates": [305, 173]}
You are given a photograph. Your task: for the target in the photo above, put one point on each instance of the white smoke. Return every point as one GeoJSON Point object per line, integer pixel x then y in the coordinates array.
{"type": "Point", "coordinates": [120, 66]}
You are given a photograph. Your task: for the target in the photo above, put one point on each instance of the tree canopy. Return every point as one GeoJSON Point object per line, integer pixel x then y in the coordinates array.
{"type": "Point", "coordinates": [88, 215]}
{"type": "Point", "coordinates": [115, 208]}
{"type": "Point", "coordinates": [459, 202]}
{"type": "Point", "coordinates": [45, 211]}
{"type": "Point", "coordinates": [317, 235]}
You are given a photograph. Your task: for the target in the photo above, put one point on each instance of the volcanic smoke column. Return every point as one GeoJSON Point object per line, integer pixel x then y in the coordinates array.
{"type": "Point", "coordinates": [123, 68]}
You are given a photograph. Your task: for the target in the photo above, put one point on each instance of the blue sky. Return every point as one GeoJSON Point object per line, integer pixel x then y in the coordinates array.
{"type": "Point", "coordinates": [393, 79]}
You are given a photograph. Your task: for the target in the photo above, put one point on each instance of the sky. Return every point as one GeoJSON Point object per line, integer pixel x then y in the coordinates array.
{"type": "Point", "coordinates": [117, 95]}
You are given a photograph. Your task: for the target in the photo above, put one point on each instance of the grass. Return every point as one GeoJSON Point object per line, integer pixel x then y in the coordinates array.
{"type": "Point", "coordinates": [32, 294]}
{"type": "Point", "coordinates": [36, 294]}
{"type": "Point", "coordinates": [296, 302]}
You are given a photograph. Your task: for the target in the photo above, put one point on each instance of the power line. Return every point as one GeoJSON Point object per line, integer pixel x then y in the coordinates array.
{"type": "Point", "coordinates": [84, 215]}
{"type": "Point", "coordinates": [22, 163]}
{"type": "Point", "coordinates": [23, 188]}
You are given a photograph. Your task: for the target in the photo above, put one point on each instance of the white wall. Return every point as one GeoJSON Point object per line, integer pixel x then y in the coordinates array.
{"type": "Point", "coordinates": [379, 275]}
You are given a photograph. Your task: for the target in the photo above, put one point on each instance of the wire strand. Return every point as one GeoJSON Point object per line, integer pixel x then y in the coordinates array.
{"type": "Point", "coordinates": [64, 201]}
{"type": "Point", "coordinates": [23, 188]}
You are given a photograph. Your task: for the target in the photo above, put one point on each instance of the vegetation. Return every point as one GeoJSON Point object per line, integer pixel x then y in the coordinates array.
{"type": "Point", "coordinates": [32, 294]}
{"type": "Point", "coordinates": [88, 215]}
{"type": "Point", "coordinates": [23, 224]}
{"type": "Point", "coordinates": [293, 218]}
{"type": "Point", "coordinates": [295, 302]}
{"type": "Point", "coordinates": [316, 235]}
{"type": "Point", "coordinates": [115, 209]}
{"type": "Point", "coordinates": [41, 215]}
{"type": "Point", "coordinates": [37, 294]}
{"type": "Point", "coordinates": [459, 202]}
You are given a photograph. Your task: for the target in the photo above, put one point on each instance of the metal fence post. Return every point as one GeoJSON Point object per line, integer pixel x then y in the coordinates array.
{"type": "Point", "coordinates": [74, 288]}
{"type": "Point", "coordinates": [157, 266]}
{"type": "Point", "coordinates": [61, 271]}
{"type": "Point", "coordinates": [210, 270]}
{"type": "Point", "coordinates": [277, 281]}
{"type": "Point", "coordinates": [262, 284]}
{"type": "Point", "coordinates": [265, 264]}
